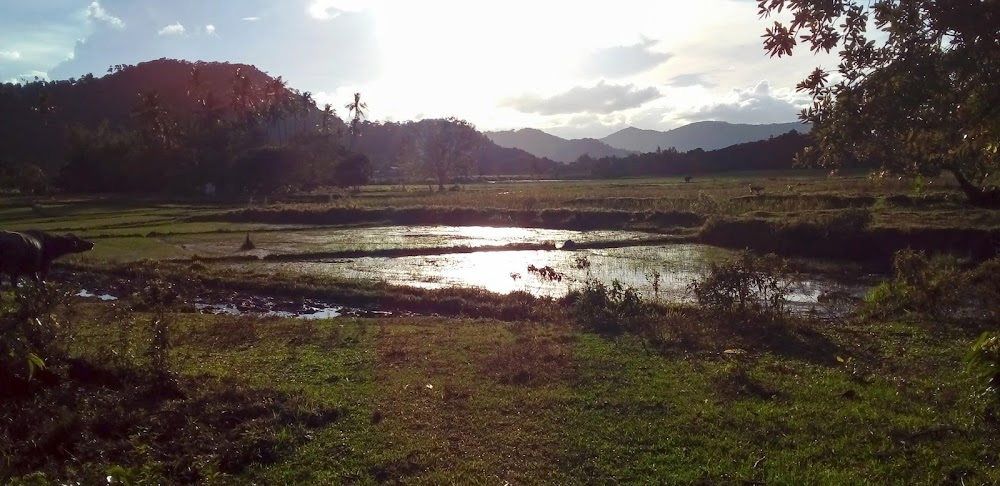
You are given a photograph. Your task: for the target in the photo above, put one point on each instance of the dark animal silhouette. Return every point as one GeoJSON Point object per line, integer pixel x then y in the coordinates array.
{"type": "Point", "coordinates": [31, 252]}
{"type": "Point", "coordinates": [688, 179]}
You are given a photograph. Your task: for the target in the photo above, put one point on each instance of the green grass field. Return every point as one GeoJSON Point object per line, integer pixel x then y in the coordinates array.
{"type": "Point", "coordinates": [522, 394]}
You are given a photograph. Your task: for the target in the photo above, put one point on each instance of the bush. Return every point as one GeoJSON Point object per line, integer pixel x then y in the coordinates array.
{"type": "Point", "coordinates": [613, 309]}
{"type": "Point", "coordinates": [746, 289]}
{"type": "Point", "coordinates": [30, 333]}
{"type": "Point", "coordinates": [928, 285]}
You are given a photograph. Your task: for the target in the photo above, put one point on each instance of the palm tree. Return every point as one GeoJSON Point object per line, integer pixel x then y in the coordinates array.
{"type": "Point", "coordinates": [358, 109]}
{"type": "Point", "coordinates": [325, 117]}
{"type": "Point", "coordinates": [277, 97]}
{"type": "Point", "coordinates": [308, 104]}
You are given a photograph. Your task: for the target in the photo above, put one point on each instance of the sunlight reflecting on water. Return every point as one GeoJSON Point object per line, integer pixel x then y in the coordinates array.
{"type": "Point", "coordinates": [507, 271]}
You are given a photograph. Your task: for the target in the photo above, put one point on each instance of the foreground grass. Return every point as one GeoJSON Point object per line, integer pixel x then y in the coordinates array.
{"type": "Point", "coordinates": [448, 400]}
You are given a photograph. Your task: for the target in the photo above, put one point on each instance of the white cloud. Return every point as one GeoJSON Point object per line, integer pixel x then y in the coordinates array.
{"type": "Point", "coordinates": [210, 29]}
{"type": "Point", "coordinates": [96, 12]}
{"type": "Point", "coordinates": [331, 9]}
{"type": "Point", "coordinates": [173, 29]}
{"type": "Point", "coordinates": [31, 75]}
{"type": "Point", "coordinates": [600, 98]}
{"type": "Point", "coordinates": [753, 104]}
{"type": "Point", "coordinates": [10, 55]}
{"type": "Point", "coordinates": [250, 19]}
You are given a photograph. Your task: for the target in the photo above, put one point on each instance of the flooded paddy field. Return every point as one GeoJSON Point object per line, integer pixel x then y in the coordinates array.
{"type": "Point", "coordinates": [541, 262]}
{"type": "Point", "coordinates": [389, 238]}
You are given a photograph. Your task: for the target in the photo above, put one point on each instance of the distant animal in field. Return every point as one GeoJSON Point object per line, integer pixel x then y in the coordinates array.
{"type": "Point", "coordinates": [688, 179]}
{"type": "Point", "coordinates": [755, 189]}
{"type": "Point", "coordinates": [31, 252]}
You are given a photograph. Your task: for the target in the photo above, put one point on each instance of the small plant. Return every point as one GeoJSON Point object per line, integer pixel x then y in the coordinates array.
{"type": "Point", "coordinates": [654, 280]}
{"type": "Point", "coordinates": [546, 273]}
{"type": "Point", "coordinates": [30, 333]}
{"type": "Point", "coordinates": [614, 309]}
{"type": "Point", "coordinates": [983, 360]}
{"type": "Point", "coordinates": [157, 298]}
{"type": "Point", "coordinates": [248, 244]}
{"type": "Point", "coordinates": [746, 289]}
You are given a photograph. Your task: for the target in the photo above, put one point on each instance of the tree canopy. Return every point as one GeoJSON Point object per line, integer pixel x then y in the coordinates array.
{"type": "Point", "coordinates": [917, 90]}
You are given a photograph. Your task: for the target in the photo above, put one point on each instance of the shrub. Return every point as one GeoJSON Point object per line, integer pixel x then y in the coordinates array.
{"type": "Point", "coordinates": [929, 285]}
{"type": "Point", "coordinates": [157, 298]}
{"type": "Point", "coordinates": [613, 309]}
{"type": "Point", "coordinates": [985, 280]}
{"type": "Point", "coordinates": [746, 289]}
{"type": "Point", "coordinates": [30, 333]}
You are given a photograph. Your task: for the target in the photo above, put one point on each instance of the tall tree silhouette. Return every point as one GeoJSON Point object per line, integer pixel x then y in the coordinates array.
{"type": "Point", "coordinates": [307, 105]}
{"type": "Point", "coordinates": [358, 110]}
{"type": "Point", "coordinates": [326, 117]}
{"type": "Point", "coordinates": [152, 118]}
{"type": "Point", "coordinates": [277, 101]}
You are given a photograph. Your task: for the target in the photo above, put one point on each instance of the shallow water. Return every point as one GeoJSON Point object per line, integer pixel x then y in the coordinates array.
{"type": "Point", "coordinates": [390, 237]}
{"type": "Point", "coordinates": [658, 272]}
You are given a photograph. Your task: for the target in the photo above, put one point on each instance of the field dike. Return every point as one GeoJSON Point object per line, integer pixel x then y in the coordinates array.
{"type": "Point", "coordinates": [816, 239]}
{"type": "Point", "coordinates": [845, 234]}
{"type": "Point", "coordinates": [545, 218]}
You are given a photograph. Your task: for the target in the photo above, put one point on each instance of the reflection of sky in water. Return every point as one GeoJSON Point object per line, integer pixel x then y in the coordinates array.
{"type": "Point", "coordinates": [677, 266]}
{"type": "Point", "coordinates": [371, 238]}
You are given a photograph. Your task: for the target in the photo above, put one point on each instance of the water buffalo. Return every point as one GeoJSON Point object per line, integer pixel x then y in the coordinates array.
{"type": "Point", "coordinates": [31, 252]}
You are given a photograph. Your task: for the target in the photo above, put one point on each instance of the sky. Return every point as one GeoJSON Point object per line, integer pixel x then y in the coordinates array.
{"type": "Point", "coordinates": [574, 69]}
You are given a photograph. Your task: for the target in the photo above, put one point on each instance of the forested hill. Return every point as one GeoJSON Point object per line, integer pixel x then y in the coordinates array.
{"type": "Point", "coordinates": [34, 117]}
{"type": "Point", "coordinates": [775, 153]}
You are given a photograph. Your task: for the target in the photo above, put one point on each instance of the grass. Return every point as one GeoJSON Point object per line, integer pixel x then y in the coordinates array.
{"type": "Point", "coordinates": [444, 400]}
{"type": "Point", "coordinates": [494, 389]}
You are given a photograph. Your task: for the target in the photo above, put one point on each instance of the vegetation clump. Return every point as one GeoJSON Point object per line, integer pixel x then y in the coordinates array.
{"type": "Point", "coordinates": [608, 309]}
{"type": "Point", "coordinates": [934, 286]}
{"type": "Point", "coordinates": [748, 289]}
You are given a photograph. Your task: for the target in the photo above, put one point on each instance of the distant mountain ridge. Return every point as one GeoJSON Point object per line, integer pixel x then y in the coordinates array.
{"type": "Point", "coordinates": [706, 135]}
{"type": "Point", "coordinates": [542, 144]}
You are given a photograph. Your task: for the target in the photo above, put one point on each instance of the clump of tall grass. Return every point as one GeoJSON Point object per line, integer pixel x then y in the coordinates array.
{"type": "Point", "coordinates": [749, 289]}
{"type": "Point", "coordinates": [935, 286]}
{"type": "Point", "coordinates": [609, 309]}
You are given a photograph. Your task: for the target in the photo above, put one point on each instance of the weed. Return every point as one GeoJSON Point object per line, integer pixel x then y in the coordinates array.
{"type": "Point", "coordinates": [748, 289]}
{"type": "Point", "coordinates": [934, 286]}
{"type": "Point", "coordinates": [608, 309]}
{"type": "Point", "coordinates": [983, 360]}
{"type": "Point", "coordinates": [31, 332]}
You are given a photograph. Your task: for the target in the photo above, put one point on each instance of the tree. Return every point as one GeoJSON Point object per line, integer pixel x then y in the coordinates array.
{"type": "Point", "coordinates": [449, 147]}
{"type": "Point", "coordinates": [326, 118]}
{"type": "Point", "coordinates": [917, 97]}
{"type": "Point", "coordinates": [152, 118]}
{"type": "Point", "coordinates": [354, 171]}
{"type": "Point", "coordinates": [358, 110]}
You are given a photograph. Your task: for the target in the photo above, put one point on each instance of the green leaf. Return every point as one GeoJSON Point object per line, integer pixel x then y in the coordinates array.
{"type": "Point", "coordinates": [34, 362]}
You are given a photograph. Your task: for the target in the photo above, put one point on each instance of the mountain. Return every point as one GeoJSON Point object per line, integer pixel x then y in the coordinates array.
{"type": "Point", "coordinates": [542, 144]}
{"type": "Point", "coordinates": [36, 118]}
{"type": "Point", "coordinates": [706, 135]}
